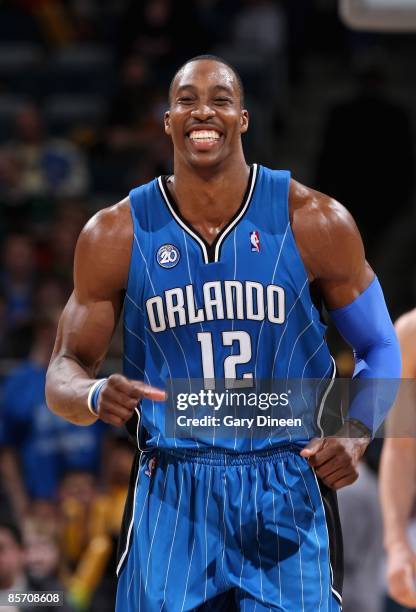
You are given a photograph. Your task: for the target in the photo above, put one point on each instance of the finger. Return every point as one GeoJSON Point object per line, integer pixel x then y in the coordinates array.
{"type": "Point", "coordinates": [312, 447]}
{"type": "Point", "coordinates": [344, 482]}
{"type": "Point", "coordinates": [335, 476]}
{"type": "Point", "coordinates": [327, 468]}
{"type": "Point", "coordinates": [110, 394]}
{"type": "Point", "coordinates": [403, 596]}
{"type": "Point", "coordinates": [333, 451]}
{"type": "Point", "coordinates": [403, 587]}
{"type": "Point", "coordinates": [112, 419]}
{"type": "Point", "coordinates": [119, 382]}
{"type": "Point", "coordinates": [153, 393]}
{"type": "Point", "coordinates": [130, 388]}
{"type": "Point", "coordinates": [135, 389]}
{"type": "Point", "coordinates": [108, 409]}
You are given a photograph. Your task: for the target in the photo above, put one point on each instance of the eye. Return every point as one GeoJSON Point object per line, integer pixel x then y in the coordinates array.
{"type": "Point", "coordinates": [185, 100]}
{"type": "Point", "coordinates": [221, 100]}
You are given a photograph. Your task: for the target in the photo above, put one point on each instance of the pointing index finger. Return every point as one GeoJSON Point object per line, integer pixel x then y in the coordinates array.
{"type": "Point", "coordinates": [142, 389]}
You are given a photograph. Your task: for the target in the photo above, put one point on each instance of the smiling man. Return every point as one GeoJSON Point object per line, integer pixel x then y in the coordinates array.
{"type": "Point", "coordinates": [213, 265]}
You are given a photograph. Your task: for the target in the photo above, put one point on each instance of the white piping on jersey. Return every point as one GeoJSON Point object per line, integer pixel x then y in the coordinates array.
{"type": "Point", "coordinates": [272, 281]}
{"type": "Point", "coordinates": [145, 263]}
{"type": "Point", "coordinates": [297, 340]}
{"type": "Point", "coordinates": [237, 219]}
{"type": "Point", "coordinates": [206, 534]}
{"type": "Point", "coordinates": [303, 375]}
{"type": "Point", "coordinates": [241, 526]}
{"type": "Point", "coordinates": [226, 231]}
{"type": "Point", "coordinates": [123, 556]}
{"type": "Point", "coordinates": [268, 469]}
{"type": "Point", "coordinates": [287, 323]}
{"type": "Point", "coordinates": [190, 562]}
{"type": "Point", "coordinates": [258, 535]}
{"type": "Point", "coordinates": [155, 528]}
{"type": "Point", "coordinates": [173, 541]}
{"type": "Point", "coordinates": [334, 591]}
{"type": "Point", "coordinates": [316, 533]}
{"type": "Point", "coordinates": [328, 389]}
{"type": "Point", "coordinates": [297, 531]}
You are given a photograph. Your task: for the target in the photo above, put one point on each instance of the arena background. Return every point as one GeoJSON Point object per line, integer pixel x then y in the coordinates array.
{"type": "Point", "coordinates": [83, 87]}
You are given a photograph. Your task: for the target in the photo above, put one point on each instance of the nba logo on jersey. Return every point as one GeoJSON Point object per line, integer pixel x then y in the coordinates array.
{"type": "Point", "coordinates": [255, 242]}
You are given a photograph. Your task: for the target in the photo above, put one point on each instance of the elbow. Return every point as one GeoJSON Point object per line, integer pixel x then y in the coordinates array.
{"type": "Point", "coordinates": [50, 392]}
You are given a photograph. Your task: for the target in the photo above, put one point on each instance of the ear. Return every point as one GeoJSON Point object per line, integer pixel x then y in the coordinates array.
{"type": "Point", "coordinates": [167, 123]}
{"type": "Point", "coordinates": [244, 121]}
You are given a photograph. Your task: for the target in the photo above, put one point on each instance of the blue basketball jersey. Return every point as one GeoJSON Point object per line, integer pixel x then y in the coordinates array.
{"type": "Point", "coordinates": [239, 308]}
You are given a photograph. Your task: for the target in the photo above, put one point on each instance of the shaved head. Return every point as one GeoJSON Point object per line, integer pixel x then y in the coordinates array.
{"type": "Point", "coordinates": [213, 58]}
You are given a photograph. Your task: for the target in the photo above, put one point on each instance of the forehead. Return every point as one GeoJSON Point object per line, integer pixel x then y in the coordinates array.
{"type": "Point", "coordinates": [206, 74]}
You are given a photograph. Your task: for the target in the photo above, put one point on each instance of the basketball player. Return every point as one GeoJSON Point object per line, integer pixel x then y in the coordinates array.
{"type": "Point", "coordinates": [398, 476]}
{"type": "Point", "coordinates": [214, 263]}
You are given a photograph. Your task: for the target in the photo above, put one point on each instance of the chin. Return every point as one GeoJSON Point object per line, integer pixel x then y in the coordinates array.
{"type": "Point", "coordinates": [206, 160]}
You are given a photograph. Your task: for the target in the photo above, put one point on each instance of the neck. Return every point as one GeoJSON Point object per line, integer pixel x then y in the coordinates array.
{"type": "Point", "coordinates": [209, 195]}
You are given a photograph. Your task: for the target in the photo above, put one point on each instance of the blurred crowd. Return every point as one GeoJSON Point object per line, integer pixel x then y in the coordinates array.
{"type": "Point", "coordinates": [83, 88]}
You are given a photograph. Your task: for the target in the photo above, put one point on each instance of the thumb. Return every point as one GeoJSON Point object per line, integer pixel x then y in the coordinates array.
{"type": "Point", "coordinates": [312, 447]}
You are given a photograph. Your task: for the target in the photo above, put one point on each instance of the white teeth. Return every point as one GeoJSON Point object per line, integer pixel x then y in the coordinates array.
{"type": "Point", "coordinates": [204, 135]}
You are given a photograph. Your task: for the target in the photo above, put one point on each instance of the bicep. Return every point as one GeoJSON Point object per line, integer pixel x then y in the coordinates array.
{"type": "Point", "coordinates": [343, 272]}
{"type": "Point", "coordinates": [101, 266]}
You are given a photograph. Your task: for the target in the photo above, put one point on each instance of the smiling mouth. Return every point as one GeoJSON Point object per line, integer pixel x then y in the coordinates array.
{"type": "Point", "coordinates": [204, 136]}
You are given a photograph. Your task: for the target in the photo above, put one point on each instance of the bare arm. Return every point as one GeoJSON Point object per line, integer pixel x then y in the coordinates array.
{"type": "Point", "coordinates": [333, 253]}
{"type": "Point", "coordinates": [88, 321]}
{"type": "Point", "coordinates": [330, 245]}
{"type": "Point", "coordinates": [398, 465]}
{"type": "Point", "coordinates": [398, 477]}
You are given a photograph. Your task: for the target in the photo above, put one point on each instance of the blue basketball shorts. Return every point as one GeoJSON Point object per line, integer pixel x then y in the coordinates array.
{"type": "Point", "coordinates": [216, 530]}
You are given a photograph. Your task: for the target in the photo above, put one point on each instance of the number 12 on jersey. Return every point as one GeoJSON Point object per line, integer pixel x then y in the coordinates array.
{"type": "Point", "coordinates": [243, 355]}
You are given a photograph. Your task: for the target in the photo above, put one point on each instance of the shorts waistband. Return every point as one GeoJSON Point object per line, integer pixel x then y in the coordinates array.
{"type": "Point", "coordinates": [223, 457]}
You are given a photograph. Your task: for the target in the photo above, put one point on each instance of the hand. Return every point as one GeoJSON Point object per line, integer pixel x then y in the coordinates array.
{"type": "Point", "coordinates": [120, 396]}
{"type": "Point", "coordinates": [401, 572]}
{"type": "Point", "coordinates": [335, 459]}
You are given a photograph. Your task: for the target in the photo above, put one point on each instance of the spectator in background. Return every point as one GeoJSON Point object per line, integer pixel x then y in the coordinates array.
{"type": "Point", "coordinates": [41, 165]}
{"type": "Point", "coordinates": [17, 279]}
{"type": "Point", "coordinates": [154, 29]}
{"type": "Point", "coordinates": [360, 516]}
{"type": "Point", "coordinates": [90, 527]}
{"type": "Point", "coordinates": [42, 549]}
{"type": "Point", "coordinates": [13, 575]}
{"type": "Point", "coordinates": [131, 97]}
{"type": "Point", "coordinates": [37, 446]}
{"type": "Point", "coordinates": [50, 295]}
{"type": "Point", "coordinates": [261, 25]}
{"type": "Point", "coordinates": [367, 156]}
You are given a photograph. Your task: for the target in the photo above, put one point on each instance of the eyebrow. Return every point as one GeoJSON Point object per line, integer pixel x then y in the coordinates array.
{"type": "Point", "coordinates": [216, 87]}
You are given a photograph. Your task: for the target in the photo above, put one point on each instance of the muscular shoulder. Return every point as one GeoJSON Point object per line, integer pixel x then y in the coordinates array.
{"type": "Point", "coordinates": [325, 232]}
{"type": "Point", "coordinates": [102, 254]}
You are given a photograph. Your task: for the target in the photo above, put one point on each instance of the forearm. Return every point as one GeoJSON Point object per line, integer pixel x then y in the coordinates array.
{"type": "Point", "coordinates": [366, 325]}
{"type": "Point", "coordinates": [397, 488]}
{"type": "Point", "coordinates": [67, 386]}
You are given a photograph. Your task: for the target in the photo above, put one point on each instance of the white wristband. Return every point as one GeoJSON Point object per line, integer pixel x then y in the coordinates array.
{"type": "Point", "coordinates": [90, 394]}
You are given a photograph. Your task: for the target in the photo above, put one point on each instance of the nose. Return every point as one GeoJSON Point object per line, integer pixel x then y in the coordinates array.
{"type": "Point", "coordinates": [203, 111]}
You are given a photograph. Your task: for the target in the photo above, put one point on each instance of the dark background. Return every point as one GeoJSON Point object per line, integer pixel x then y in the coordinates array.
{"type": "Point", "coordinates": [83, 88]}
